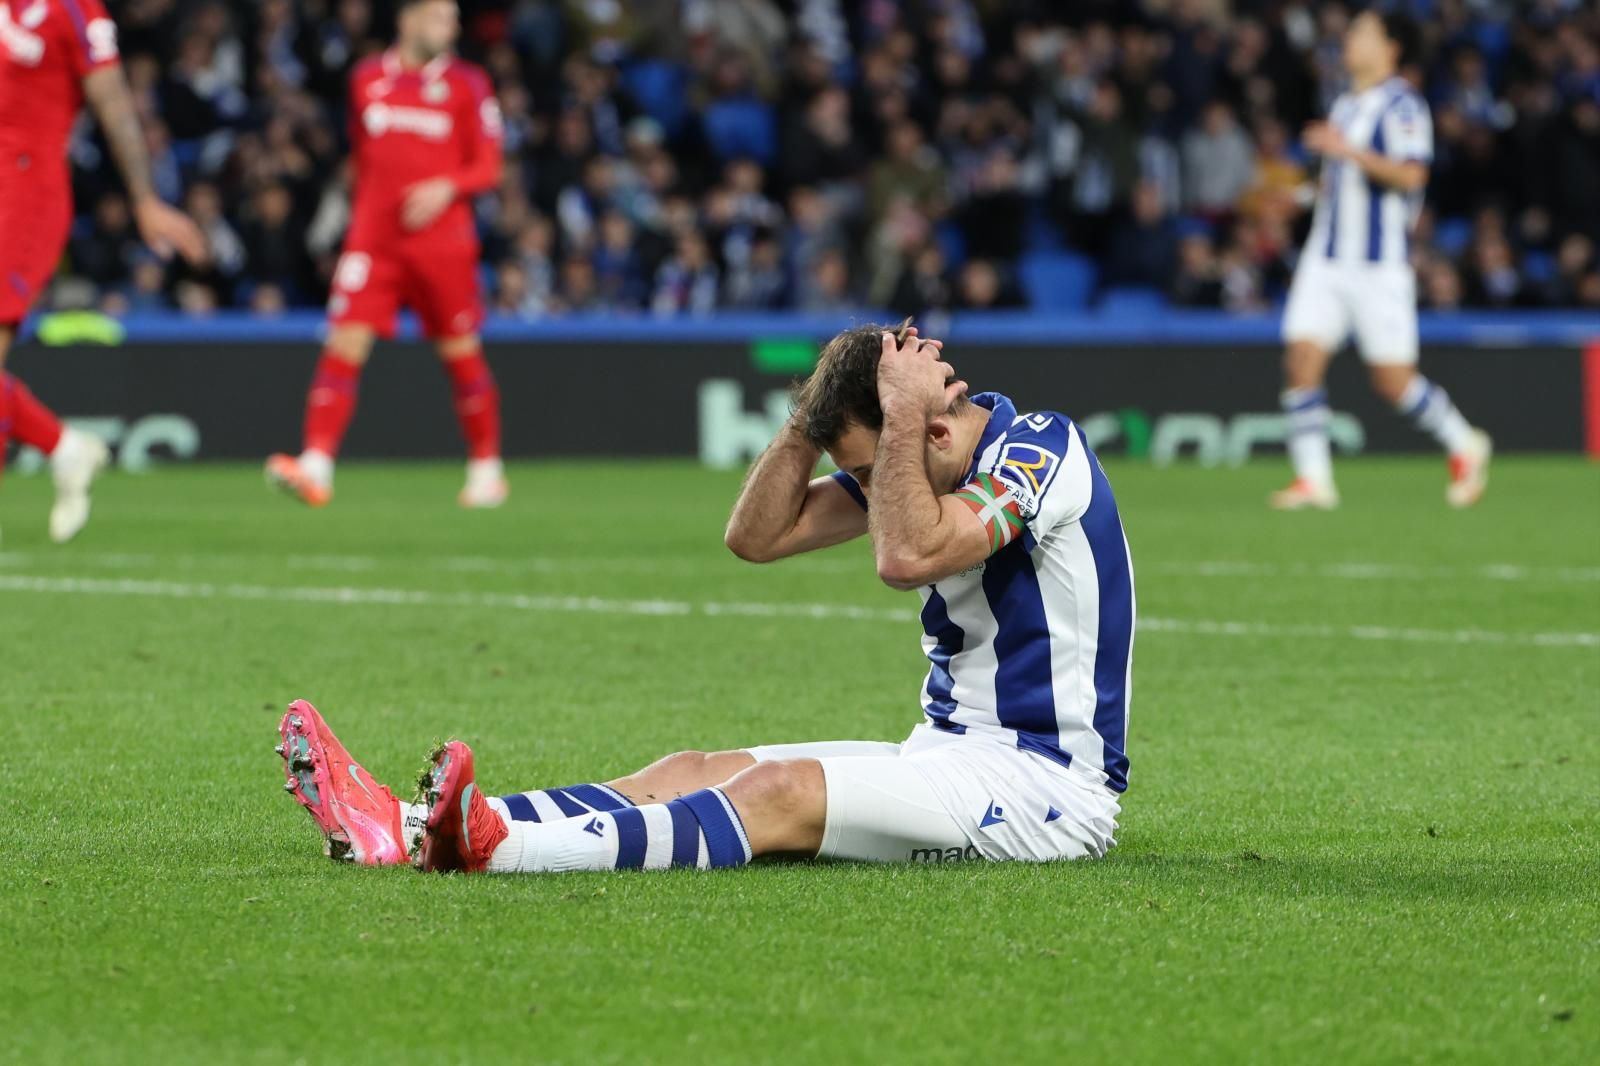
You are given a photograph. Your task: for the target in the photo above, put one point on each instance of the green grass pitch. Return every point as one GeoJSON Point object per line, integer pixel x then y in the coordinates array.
{"type": "Point", "coordinates": [1364, 822]}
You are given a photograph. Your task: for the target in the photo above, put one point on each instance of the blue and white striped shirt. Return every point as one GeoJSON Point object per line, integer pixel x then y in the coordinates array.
{"type": "Point", "coordinates": [1357, 220]}
{"type": "Point", "coordinates": [1036, 642]}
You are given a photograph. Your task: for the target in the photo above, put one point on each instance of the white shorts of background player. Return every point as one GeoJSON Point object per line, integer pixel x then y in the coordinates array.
{"type": "Point", "coordinates": [1374, 302]}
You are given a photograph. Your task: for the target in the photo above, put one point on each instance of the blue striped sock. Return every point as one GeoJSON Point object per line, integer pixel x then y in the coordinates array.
{"type": "Point", "coordinates": [553, 804]}
{"type": "Point", "coordinates": [707, 815]}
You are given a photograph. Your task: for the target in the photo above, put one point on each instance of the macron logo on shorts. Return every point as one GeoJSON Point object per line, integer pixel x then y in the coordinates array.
{"type": "Point", "coordinates": [993, 816]}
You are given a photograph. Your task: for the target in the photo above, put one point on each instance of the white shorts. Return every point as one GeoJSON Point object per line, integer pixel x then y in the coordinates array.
{"type": "Point", "coordinates": [1377, 302]}
{"type": "Point", "coordinates": [945, 797]}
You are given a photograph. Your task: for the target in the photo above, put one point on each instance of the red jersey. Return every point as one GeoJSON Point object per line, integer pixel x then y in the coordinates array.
{"type": "Point", "coordinates": [439, 120]}
{"type": "Point", "coordinates": [47, 48]}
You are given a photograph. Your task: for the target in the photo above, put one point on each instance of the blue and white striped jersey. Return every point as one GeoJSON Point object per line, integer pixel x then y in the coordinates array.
{"type": "Point", "coordinates": [1036, 642]}
{"type": "Point", "coordinates": [1358, 220]}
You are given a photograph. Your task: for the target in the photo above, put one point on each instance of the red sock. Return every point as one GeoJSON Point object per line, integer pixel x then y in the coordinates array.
{"type": "Point", "coordinates": [477, 403]}
{"type": "Point", "coordinates": [5, 419]}
{"type": "Point", "coordinates": [330, 403]}
{"type": "Point", "coordinates": [31, 421]}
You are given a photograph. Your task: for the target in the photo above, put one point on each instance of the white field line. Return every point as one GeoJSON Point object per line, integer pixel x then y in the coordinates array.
{"type": "Point", "coordinates": [347, 596]}
{"type": "Point", "coordinates": [699, 565]}
{"type": "Point", "coordinates": [1376, 571]}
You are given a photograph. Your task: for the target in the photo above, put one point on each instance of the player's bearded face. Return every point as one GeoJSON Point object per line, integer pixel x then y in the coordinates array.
{"type": "Point", "coordinates": [430, 29]}
{"type": "Point", "coordinates": [855, 450]}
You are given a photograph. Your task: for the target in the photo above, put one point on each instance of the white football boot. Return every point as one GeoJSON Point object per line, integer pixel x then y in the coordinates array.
{"type": "Point", "coordinates": [75, 463]}
{"type": "Point", "coordinates": [1469, 471]}
{"type": "Point", "coordinates": [486, 485]}
{"type": "Point", "coordinates": [1304, 494]}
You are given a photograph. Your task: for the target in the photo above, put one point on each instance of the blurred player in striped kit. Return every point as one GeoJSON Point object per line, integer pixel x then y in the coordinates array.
{"type": "Point", "coordinates": [1354, 274]}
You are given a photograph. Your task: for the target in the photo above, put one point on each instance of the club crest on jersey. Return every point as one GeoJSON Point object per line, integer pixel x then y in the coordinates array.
{"type": "Point", "coordinates": [16, 34]}
{"type": "Point", "coordinates": [436, 92]}
{"type": "Point", "coordinates": [1027, 471]}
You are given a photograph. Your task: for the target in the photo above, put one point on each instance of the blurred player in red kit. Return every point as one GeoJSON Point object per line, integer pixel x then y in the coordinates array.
{"type": "Point", "coordinates": [55, 55]}
{"type": "Point", "coordinates": [425, 131]}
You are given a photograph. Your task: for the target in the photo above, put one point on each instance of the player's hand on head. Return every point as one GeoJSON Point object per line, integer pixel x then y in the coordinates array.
{"type": "Point", "coordinates": [912, 376]}
{"type": "Point", "coordinates": [426, 201]}
{"type": "Point", "coordinates": [166, 230]}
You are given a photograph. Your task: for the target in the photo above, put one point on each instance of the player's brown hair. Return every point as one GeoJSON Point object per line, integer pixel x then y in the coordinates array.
{"type": "Point", "coordinates": [843, 389]}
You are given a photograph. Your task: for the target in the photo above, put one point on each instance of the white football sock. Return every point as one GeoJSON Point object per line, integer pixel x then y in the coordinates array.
{"type": "Point", "coordinates": [413, 819]}
{"type": "Point", "coordinates": [1429, 407]}
{"type": "Point", "coordinates": [1309, 452]}
{"type": "Point", "coordinates": [318, 466]}
{"type": "Point", "coordinates": [480, 470]}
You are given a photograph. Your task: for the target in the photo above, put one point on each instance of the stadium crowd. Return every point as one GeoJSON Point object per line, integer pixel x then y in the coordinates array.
{"type": "Point", "coordinates": [682, 156]}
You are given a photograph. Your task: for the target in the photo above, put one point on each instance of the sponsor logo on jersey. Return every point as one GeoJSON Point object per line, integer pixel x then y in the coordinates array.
{"type": "Point", "coordinates": [1027, 470]}
{"type": "Point", "coordinates": [430, 125]}
{"type": "Point", "coordinates": [102, 37]}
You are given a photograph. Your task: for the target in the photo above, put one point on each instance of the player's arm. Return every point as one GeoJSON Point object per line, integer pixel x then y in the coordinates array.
{"type": "Point", "coordinates": [479, 171]}
{"type": "Point", "coordinates": [920, 537]}
{"type": "Point", "coordinates": [1406, 169]}
{"type": "Point", "coordinates": [165, 229]}
{"type": "Point", "coordinates": [782, 510]}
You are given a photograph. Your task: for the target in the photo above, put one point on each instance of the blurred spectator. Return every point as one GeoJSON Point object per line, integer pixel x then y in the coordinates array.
{"type": "Point", "coordinates": [810, 153]}
{"type": "Point", "coordinates": [1199, 279]}
{"type": "Point", "coordinates": [1218, 162]}
{"type": "Point", "coordinates": [1441, 286]}
{"type": "Point", "coordinates": [981, 288]}
{"type": "Point", "coordinates": [687, 281]}
{"type": "Point", "coordinates": [1144, 248]}
{"type": "Point", "coordinates": [924, 285]}
{"type": "Point", "coordinates": [104, 252]}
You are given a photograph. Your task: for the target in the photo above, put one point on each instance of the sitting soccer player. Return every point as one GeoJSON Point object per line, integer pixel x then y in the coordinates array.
{"type": "Point", "coordinates": [1005, 524]}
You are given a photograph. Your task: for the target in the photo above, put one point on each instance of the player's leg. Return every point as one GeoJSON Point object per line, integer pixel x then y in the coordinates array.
{"type": "Point", "coordinates": [29, 249]}
{"type": "Point", "coordinates": [442, 287]}
{"type": "Point", "coordinates": [365, 301]}
{"type": "Point", "coordinates": [772, 805]}
{"type": "Point", "coordinates": [668, 778]}
{"type": "Point", "coordinates": [1314, 327]}
{"type": "Point", "coordinates": [476, 398]}
{"type": "Point", "coordinates": [1387, 333]}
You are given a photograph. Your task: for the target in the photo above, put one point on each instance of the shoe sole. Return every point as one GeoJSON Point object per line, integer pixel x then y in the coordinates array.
{"type": "Point", "coordinates": [306, 776]}
{"type": "Point", "coordinates": [443, 839]}
{"type": "Point", "coordinates": [291, 487]}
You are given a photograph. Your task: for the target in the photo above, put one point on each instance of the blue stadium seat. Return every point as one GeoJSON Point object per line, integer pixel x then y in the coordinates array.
{"type": "Point", "coordinates": [1057, 280]}
{"type": "Point", "coordinates": [1040, 233]}
{"type": "Point", "coordinates": [1132, 301]}
{"type": "Point", "coordinates": [659, 88]}
{"type": "Point", "coordinates": [1538, 267]}
{"type": "Point", "coordinates": [952, 242]}
{"type": "Point", "coordinates": [1452, 235]}
{"type": "Point", "coordinates": [742, 128]}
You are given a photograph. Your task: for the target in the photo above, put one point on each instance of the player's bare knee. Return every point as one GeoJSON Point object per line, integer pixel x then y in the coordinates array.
{"type": "Point", "coordinates": [352, 344]}
{"type": "Point", "coordinates": [458, 347]}
{"type": "Point", "coordinates": [780, 786]}
{"type": "Point", "coordinates": [1390, 382]}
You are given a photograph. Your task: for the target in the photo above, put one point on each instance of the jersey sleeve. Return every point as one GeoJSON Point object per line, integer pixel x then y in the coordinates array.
{"type": "Point", "coordinates": [1033, 480]}
{"type": "Point", "coordinates": [92, 37]}
{"type": "Point", "coordinates": [1408, 130]}
{"type": "Point", "coordinates": [482, 132]}
{"type": "Point", "coordinates": [852, 486]}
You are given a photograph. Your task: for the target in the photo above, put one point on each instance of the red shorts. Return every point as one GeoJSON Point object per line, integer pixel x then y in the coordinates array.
{"type": "Point", "coordinates": [34, 222]}
{"type": "Point", "coordinates": [440, 284]}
